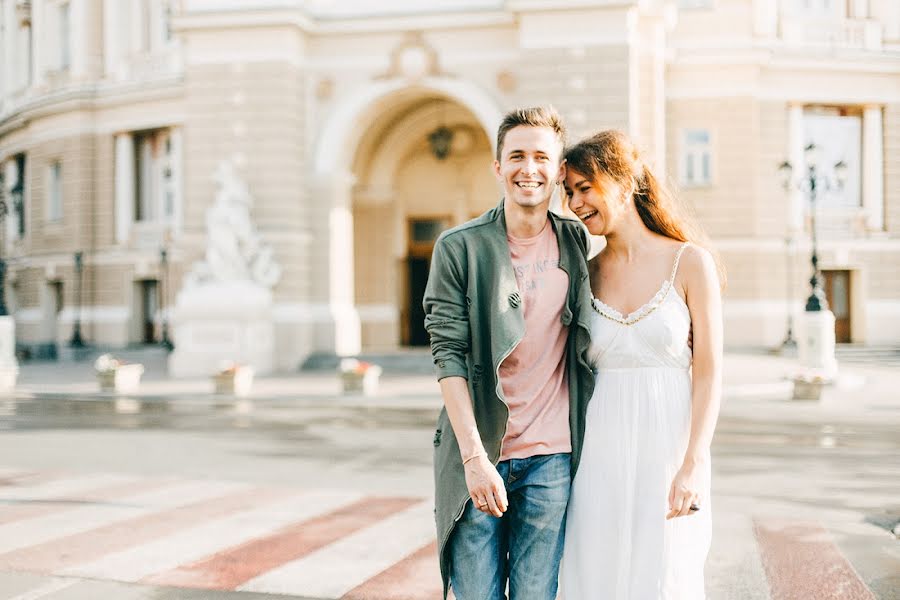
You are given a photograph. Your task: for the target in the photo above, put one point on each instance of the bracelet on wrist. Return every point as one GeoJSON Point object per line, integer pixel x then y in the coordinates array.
{"type": "Point", "coordinates": [473, 457]}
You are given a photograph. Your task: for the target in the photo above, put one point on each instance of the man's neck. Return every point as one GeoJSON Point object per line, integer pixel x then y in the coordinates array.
{"type": "Point", "coordinates": [524, 222]}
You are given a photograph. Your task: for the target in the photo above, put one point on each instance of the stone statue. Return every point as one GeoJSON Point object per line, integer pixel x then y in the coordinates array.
{"type": "Point", "coordinates": [235, 251]}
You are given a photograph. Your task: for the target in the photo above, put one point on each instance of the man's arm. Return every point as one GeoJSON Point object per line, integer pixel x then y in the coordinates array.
{"type": "Point", "coordinates": [447, 323]}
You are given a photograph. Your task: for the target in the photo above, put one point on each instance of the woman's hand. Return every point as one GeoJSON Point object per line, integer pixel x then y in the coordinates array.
{"type": "Point", "coordinates": [486, 486]}
{"type": "Point", "coordinates": [686, 490]}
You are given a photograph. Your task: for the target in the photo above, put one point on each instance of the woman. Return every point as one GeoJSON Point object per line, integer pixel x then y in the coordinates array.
{"type": "Point", "coordinates": [638, 525]}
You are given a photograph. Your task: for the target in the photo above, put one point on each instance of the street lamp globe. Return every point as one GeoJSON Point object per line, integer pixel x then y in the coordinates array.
{"type": "Point", "coordinates": [811, 155]}
{"type": "Point", "coordinates": [841, 172]}
{"type": "Point", "coordinates": [786, 173]}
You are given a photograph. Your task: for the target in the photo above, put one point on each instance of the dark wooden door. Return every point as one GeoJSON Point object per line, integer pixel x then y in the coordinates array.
{"type": "Point", "coordinates": [149, 306]}
{"type": "Point", "coordinates": [417, 273]}
{"type": "Point", "coordinates": [422, 234]}
{"type": "Point", "coordinates": [837, 292]}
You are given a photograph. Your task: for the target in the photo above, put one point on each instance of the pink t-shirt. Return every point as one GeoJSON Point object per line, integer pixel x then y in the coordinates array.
{"type": "Point", "coordinates": [533, 376]}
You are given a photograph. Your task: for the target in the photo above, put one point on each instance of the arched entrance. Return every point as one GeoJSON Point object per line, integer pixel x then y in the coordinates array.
{"type": "Point", "coordinates": [383, 195]}
{"type": "Point", "coordinates": [422, 167]}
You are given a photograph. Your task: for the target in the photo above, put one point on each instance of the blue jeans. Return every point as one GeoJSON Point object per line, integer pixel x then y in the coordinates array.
{"type": "Point", "coordinates": [523, 546]}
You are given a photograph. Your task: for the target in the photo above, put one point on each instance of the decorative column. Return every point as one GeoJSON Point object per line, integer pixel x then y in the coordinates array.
{"type": "Point", "coordinates": [78, 38]}
{"type": "Point", "coordinates": [765, 18]}
{"type": "Point", "coordinates": [796, 202]}
{"type": "Point", "coordinates": [873, 167]}
{"type": "Point", "coordinates": [859, 9]}
{"type": "Point", "coordinates": [176, 164]}
{"type": "Point", "coordinates": [334, 218]}
{"type": "Point", "coordinates": [39, 47]}
{"type": "Point", "coordinates": [124, 187]}
{"type": "Point", "coordinates": [9, 47]}
{"type": "Point", "coordinates": [136, 33]}
{"type": "Point", "coordinates": [112, 36]}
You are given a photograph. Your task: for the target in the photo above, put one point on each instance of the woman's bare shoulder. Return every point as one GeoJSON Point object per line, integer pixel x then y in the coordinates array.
{"type": "Point", "coordinates": [697, 266]}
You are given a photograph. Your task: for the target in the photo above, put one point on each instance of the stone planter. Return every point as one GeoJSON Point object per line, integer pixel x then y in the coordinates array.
{"type": "Point", "coordinates": [124, 379]}
{"type": "Point", "coordinates": [808, 390]}
{"type": "Point", "coordinates": [234, 382]}
{"type": "Point", "coordinates": [365, 383]}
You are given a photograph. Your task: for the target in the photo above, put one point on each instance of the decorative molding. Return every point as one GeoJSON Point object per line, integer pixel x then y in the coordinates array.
{"type": "Point", "coordinates": [507, 82]}
{"type": "Point", "coordinates": [413, 59]}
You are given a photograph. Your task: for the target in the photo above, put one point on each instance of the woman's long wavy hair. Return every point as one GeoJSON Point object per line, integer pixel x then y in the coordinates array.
{"type": "Point", "coordinates": [612, 153]}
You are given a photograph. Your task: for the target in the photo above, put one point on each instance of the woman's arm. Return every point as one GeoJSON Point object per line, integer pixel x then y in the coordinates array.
{"type": "Point", "coordinates": [704, 301]}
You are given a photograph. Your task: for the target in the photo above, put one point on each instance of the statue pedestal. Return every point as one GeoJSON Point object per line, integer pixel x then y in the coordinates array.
{"type": "Point", "coordinates": [9, 367]}
{"type": "Point", "coordinates": [815, 342]}
{"type": "Point", "coordinates": [222, 321]}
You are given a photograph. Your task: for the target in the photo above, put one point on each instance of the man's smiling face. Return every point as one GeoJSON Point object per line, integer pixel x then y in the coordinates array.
{"type": "Point", "coordinates": [529, 166]}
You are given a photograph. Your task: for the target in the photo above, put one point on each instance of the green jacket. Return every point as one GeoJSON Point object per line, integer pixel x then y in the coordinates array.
{"type": "Point", "coordinates": [473, 315]}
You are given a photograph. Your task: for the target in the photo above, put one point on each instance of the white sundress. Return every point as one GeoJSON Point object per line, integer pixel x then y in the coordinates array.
{"type": "Point", "coordinates": [618, 544]}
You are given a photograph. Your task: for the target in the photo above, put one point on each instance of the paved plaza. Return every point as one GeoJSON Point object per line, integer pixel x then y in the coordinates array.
{"type": "Point", "coordinates": [301, 492]}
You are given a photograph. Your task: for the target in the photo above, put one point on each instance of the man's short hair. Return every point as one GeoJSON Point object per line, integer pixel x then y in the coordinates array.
{"type": "Point", "coordinates": [537, 116]}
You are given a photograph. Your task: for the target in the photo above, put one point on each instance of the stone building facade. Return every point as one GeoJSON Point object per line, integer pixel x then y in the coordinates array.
{"type": "Point", "coordinates": [115, 113]}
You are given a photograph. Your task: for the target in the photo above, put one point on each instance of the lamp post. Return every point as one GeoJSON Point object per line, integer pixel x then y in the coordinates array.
{"type": "Point", "coordinates": [165, 342]}
{"type": "Point", "coordinates": [789, 343]}
{"type": "Point", "coordinates": [810, 183]}
{"type": "Point", "coordinates": [77, 341]}
{"type": "Point", "coordinates": [816, 338]}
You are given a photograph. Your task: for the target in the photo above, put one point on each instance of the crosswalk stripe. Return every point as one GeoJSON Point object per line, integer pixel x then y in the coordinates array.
{"type": "Point", "coordinates": [339, 567]}
{"type": "Point", "coordinates": [58, 487]}
{"type": "Point", "coordinates": [37, 530]}
{"type": "Point", "coordinates": [227, 570]}
{"type": "Point", "coordinates": [416, 577]}
{"type": "Point", "coordinates": [57, 584]}
{"type": "Point", "coordinates": [202, 541]}
{"type": "Point", "coordinates": [90, 545]}
{"type": "Point", "coordinates": [7, 472]}
{"type": "Point", "coordinates": [48, 503]}
{"type": "Point", "coordinates": [802, 561]}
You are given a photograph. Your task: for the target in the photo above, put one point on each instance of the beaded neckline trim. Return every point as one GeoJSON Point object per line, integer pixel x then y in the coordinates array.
{"type": "Point", "coordinates": [647, 308]}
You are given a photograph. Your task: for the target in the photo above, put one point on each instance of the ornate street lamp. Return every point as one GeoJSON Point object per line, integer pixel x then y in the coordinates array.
{"type": "Point", "coordinates": [810, 183]}
{"type": "Point", "coordinates": [165, 342]}
{"type": "Point", "coordinates": [440, 140]}
{"type": "Point", "coordinates": [77, 341]}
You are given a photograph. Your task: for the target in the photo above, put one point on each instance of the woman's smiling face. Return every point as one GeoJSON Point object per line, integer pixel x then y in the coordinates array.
{"type": "Point", "coordinates": [598, 203]}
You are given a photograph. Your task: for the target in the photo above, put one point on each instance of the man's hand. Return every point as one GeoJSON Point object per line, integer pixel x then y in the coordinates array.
{"type": "Point", "coordinates": [486, 486]}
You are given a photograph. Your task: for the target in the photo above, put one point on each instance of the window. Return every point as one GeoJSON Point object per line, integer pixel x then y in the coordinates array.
{"type": "Point", "coordinates": [837, 134]}
{"type": "Point", "coordinates": [696, 162]}
{"type": "Point", "coordinates": [167, 22]}
{"type": "Point", "coordinates": [815, 7]}
{"type": "Point", "coordinates": [54, 192]}
{"type": "Point", "coordinates": [144, 205]}
{"type": "Point", "coordinates": [65, 39]}
{"type": "Point", "coordinates": [18, 195]}
{"type": "Point", "coordinates": [155, 193]}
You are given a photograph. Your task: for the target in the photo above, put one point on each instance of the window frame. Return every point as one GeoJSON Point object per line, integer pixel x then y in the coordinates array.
{"type": "Point", "coordinates": [688, 151]}
{"type": "Point", "coordinates": [55, 196]}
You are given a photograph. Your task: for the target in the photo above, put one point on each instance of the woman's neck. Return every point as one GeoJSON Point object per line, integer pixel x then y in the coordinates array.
{"type": "Point", "coordinates": [631, 238]}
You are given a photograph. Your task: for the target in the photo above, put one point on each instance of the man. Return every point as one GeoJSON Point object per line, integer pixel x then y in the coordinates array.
{"type": "Point", "coordinates": [507, 307]}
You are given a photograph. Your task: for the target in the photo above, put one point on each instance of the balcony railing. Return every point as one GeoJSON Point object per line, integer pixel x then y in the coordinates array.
{"type": "Point", "coordinates": [858, 34]}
